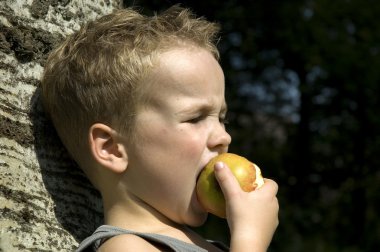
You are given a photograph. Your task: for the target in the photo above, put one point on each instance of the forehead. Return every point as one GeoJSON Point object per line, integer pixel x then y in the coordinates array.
{"type": "Point", "coordinates": [189, 69]}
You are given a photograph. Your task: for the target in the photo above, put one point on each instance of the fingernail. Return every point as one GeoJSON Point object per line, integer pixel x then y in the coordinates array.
{"type": "Point", "coordinates": [219, 166]}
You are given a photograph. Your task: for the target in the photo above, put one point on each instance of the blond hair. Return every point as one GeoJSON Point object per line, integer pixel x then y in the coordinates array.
{"type": "Point", "coordinates": [97, 74]}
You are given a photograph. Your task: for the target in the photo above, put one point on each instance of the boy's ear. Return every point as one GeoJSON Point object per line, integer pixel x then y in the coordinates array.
{"type": "Point", "coordinates": [106, 149]}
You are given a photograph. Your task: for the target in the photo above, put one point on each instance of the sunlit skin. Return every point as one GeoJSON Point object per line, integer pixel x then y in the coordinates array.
{"type": "Point", "coordinates": [178, 130]}
{"type": "Point", "coordinates": [148, 181]}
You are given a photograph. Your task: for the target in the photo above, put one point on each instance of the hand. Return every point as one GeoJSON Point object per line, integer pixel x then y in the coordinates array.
{"type": "Point", "coordinates": [252, 216]}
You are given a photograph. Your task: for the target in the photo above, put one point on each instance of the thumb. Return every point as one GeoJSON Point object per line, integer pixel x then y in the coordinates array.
{"type": "Point", "coordinates": [227, 181]}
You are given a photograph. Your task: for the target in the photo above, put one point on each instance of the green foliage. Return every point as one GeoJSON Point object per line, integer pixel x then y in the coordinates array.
{"type": "Point", "coordinates": [302, 86]}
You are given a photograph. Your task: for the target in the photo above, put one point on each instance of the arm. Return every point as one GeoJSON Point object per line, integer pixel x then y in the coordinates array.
{"type": "Point", "coordinates": [252, 217]}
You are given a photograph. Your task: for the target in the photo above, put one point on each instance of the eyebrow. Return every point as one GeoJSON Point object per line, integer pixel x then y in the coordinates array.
{"type": "Point", "coordinates": [204, 107]}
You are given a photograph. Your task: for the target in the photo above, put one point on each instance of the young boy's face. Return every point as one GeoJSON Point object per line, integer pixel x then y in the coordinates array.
{"type": "Point", "coordinates": [178, 131]}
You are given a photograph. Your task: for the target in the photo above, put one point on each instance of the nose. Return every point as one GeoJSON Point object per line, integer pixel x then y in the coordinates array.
{"type": "Point", "coordinates": [219, 139]}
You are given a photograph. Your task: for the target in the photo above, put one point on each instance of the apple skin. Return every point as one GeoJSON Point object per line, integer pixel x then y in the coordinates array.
{"type": "Point", "coordinates": [208, 190]}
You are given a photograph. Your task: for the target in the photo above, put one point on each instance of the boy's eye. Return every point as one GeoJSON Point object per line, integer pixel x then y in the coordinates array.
{"type": "Point", "coordinates": [196, 119]}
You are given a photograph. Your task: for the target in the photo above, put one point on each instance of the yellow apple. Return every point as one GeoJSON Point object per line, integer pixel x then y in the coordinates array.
{"type": "Point", "coordinates": [209, 192]}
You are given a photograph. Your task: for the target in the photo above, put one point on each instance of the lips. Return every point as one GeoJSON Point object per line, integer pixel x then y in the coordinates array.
{"type": "Point", "coordinates": [204, 166]}
{"type": "Point", "coordinates": [197, 178]}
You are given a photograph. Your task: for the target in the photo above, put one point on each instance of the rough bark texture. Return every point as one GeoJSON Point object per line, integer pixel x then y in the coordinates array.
{"type": "Point", "coordinates": [46, 204]}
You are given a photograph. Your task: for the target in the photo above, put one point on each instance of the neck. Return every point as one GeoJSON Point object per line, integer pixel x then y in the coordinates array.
{"type": "Point", "coordinates": [134, 214]}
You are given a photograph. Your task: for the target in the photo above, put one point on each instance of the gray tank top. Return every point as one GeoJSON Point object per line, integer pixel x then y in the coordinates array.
{"type": "Point", "coordinates": [93, 242]}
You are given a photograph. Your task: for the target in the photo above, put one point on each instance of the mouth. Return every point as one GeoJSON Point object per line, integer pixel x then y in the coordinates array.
{"type": "Point", "coordinates": [199, 174]}
{"type": "Point", "coordinates": [203, 167]}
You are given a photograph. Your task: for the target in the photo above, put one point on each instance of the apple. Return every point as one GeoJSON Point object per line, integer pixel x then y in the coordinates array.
{"type": "Point", "coordinates": [210, 194]}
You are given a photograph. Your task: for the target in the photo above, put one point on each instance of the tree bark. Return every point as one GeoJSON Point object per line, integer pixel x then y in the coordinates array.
{"type": "Point", "coordinates": [46, 203]}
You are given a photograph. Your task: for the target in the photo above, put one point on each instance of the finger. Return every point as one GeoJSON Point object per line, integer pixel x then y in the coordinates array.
{"type": "Point", "coordinates": [269, 185]}
{"type": "Point", "coordinates": [227, 181]}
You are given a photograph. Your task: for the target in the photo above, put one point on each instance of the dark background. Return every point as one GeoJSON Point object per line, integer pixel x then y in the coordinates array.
{"type": "Point", "coordinates": [302, 82]}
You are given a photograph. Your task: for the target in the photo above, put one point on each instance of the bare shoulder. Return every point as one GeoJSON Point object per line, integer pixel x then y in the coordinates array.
{"type": "Point", "coordinates": [128, 242]}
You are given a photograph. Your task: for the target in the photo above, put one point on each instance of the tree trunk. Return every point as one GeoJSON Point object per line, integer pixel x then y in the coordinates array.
{"type": "Point", "coordinates": [46, 203]}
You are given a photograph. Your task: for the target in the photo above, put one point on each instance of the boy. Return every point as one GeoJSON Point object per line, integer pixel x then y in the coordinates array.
{"type": "Point", "coordinates": [139, 104]}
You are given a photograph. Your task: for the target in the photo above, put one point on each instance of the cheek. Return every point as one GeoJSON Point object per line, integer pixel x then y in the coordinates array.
{"type": "Point", "coordinates": [190, 144]}
{"type": "Point", "coordinates": [168, 145]}
{"type": "Point", "coordinates": [177, 138]}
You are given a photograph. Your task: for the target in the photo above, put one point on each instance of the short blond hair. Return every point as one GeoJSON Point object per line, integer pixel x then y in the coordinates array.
{"type": "Point", "coordinates": [97, 73]}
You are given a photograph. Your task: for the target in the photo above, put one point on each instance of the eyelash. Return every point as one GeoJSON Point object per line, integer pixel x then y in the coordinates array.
{"type": "Point", "coordinates": [196, 119]}
{"type": "Point", "coordinates": [222, 120]}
